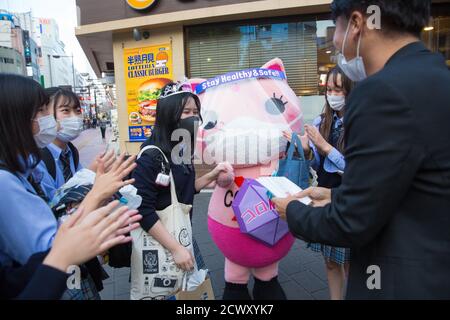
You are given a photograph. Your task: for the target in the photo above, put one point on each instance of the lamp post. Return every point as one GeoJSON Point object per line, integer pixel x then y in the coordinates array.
{"type": "Point", "coordinates": [50, 69]}
{"type": "Point", "coordinates": [73, 67]}
{"type": "Point", "coordinates": [95, 101]}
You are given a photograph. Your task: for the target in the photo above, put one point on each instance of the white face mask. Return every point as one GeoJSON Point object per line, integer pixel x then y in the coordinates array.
{"type": "Point", "coordinates": [337, 103]}
{"type": "Point", "coordinates": [247, 142]}
{"type": "Point", "coordinates": [354, 69]}
{"type": "Point", "coordinates": [70, 129]}
{"type": "Point", "coordinates": [48, 129]}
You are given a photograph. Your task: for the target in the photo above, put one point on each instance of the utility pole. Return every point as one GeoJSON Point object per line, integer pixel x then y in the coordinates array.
{"type": "Point", "coordinates": [95, 99]}
{"type": "Point", "coordinates": [90, 109]}
{"type": "Point", "coordinates": [73, 73]}
{"type": "Point", "coordinates": [50, 69]}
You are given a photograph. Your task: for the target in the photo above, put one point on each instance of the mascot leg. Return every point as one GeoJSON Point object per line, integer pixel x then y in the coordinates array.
{"type": "Point", "coordinates": [267, 286]}
{"type": "Point", "coordinates": [236, 279]}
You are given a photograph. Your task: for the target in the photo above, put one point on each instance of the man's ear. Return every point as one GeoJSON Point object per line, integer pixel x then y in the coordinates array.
{"type": "Point", "coordinates": [357, 24]}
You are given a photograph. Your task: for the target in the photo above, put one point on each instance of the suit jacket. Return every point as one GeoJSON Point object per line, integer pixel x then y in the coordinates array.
{"type": "Point", "coordinates": [393, 206]}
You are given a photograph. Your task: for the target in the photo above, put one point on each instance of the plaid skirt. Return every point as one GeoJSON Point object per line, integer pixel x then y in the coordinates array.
{"type": "Point", "coordinates": [334, 254]}
{"type": "Point", "coordinates": [87, 291]}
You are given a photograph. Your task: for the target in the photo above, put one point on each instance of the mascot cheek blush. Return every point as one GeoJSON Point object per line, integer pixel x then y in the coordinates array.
{"type": "Point", "coordinates": [244, 116]}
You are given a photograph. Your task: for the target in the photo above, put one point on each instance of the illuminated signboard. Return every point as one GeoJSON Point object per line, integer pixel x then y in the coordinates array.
{"type": "Point", "coordinates": [140, 4]}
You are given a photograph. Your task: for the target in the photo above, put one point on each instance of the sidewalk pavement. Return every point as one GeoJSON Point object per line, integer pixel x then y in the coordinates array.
{"type": "Point", "coordinates": [302, 272]}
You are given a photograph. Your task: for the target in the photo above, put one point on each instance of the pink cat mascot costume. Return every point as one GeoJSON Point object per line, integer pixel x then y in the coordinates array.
{"type": "Point", "coordinates": [256, 105]}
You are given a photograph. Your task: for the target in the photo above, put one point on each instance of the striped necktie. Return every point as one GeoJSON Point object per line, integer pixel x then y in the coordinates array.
{"type": "Point", "coordinates": [65, 160]}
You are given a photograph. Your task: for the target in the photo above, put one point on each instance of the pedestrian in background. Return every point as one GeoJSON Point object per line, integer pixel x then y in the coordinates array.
{"type": "Point", "coordinates": [103, 124]}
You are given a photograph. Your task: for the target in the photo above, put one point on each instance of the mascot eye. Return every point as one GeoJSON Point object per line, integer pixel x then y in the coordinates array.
{"type": "Point", "coordinates": [276, 106]}
{"type": "Point", "coordinates": [210, 120]}
{"type": "Point", "coordinates": [210, 125]}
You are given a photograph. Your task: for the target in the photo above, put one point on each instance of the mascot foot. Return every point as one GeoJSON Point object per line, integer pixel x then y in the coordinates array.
{"type": "Point", "coordinates": [268, 290]}
{"type": "Point", "coordinates": [235, 291]}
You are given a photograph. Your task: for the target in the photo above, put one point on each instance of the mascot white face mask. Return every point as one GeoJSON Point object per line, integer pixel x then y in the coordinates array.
{"type": "Point", "coordinates": [247, 141]}
{"type": "Point", "coordinates": [244, 116]}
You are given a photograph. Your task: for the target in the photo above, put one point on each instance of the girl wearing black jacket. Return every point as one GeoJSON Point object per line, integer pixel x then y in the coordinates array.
{"type": "Point", "coordinates": [178, 108]}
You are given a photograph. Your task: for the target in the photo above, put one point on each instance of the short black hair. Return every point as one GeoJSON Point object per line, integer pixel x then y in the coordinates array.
{"type": "Point", "coordinates": [168, 114]}
{"type": "Point", "coordinates": [70, 98]}
{"type": "Point", "coordinates": [397, 16]}
{"type": "Point", "coordinates": [20, 101]}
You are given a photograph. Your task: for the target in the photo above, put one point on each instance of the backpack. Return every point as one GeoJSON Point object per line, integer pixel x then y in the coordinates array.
{"type": "Point", "coordinates": [49, 161]}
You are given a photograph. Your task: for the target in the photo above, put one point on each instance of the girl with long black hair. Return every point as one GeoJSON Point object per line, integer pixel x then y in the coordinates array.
{"type": "Point", "coordinates": [27, 224]}
{"type": "Point", "coordinates": [177, 108]}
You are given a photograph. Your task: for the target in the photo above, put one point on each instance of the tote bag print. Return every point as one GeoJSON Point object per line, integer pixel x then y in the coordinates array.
{"type": "Point", "coordinates": [154, 274]}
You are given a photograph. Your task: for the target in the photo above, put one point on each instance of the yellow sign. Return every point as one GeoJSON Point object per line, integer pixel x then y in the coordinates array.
{"type": "Point", "coordinates": [147, 71]}
{"type": "Point", "coordinates": [140, 4]}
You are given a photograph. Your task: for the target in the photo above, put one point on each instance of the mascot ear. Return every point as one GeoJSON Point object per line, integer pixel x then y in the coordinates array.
{"type": "Point", "coordinates": [195, 82]}
{"type": "Point", "coordinates": [275, 64]}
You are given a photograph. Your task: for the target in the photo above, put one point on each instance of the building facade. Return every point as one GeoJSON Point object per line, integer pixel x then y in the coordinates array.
{"type": "Point", "coordinates": [56, 66]}
{"type": "Point", "coordinates": [43, 53]}
{"type": "Point", "coordinates": [11, 61]}
{"type": "Point", "coordinates": [208, 38]}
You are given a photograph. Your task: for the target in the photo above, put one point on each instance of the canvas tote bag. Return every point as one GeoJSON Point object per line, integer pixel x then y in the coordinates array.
{"type": "Point", "coordinates": [154, 274]}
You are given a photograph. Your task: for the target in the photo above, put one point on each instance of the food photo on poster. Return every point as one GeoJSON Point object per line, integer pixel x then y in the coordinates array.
{"type": "Point", "coordinates": [148, 70]}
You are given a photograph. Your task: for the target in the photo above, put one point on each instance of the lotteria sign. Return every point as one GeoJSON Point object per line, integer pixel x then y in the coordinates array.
{"type": "Point", "coordinates": [140, 4]}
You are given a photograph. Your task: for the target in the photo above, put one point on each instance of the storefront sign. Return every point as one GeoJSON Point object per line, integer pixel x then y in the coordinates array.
{"type": "Point", "coordinates": [240, 75]}
{"type": "Point", "coordinates": [140, 4]}
{"type": "Point", "coordinates": [147, 71]}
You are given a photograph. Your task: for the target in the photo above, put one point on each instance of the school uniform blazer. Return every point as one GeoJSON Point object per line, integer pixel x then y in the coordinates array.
{"type": "Point", "coordinates": [393, 207]}
{"type": "Point", "coordinates": [32, 281]}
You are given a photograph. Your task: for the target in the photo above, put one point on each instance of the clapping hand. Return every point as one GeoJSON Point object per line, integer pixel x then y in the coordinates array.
{"type": "Point", "coordinates": [316, 138]}
{"type": "Point", "coordinates": [85, 235]}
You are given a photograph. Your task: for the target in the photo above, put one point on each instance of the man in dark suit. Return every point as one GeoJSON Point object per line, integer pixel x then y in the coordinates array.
{"type": "Point", "coordinates": [393, 207]}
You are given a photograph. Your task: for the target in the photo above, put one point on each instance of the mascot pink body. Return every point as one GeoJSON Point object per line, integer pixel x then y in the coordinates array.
{"type": "Point", "coordinates": [243, 121]}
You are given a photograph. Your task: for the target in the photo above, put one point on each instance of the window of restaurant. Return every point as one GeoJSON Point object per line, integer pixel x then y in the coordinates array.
{"type": "Point", "coordinates": [437, 36]}
{"type": "Point", "coordinates": [305, 46]}
{"type": "Point", "coordinates": [304, 43]}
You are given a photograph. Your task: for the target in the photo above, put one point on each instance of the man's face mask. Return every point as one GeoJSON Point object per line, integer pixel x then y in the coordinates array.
{"type": "Point", "coordinates": [354, 69]}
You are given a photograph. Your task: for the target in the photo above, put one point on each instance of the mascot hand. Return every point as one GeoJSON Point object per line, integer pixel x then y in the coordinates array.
{"type": "Point", "coordinates": [225, 174]}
